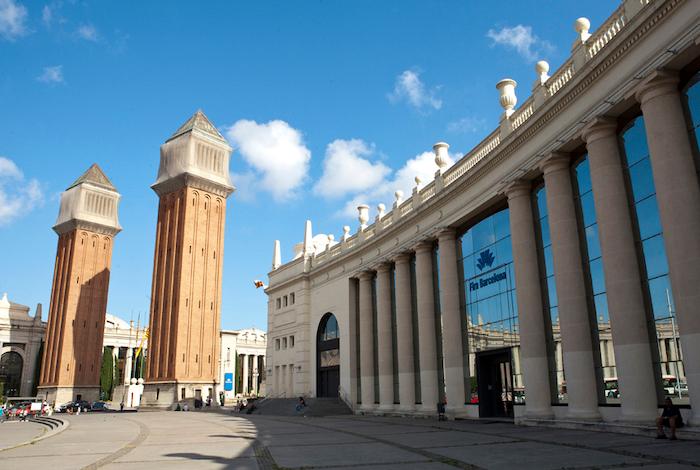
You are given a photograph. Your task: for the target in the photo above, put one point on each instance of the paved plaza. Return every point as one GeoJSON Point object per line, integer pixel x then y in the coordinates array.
{"type": "Point", "coordinates": [214, 440]}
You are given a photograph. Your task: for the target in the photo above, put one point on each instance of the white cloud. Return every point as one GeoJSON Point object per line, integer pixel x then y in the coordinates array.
{"type": "Point", "coordinates": [276, 152]}
{"type": "Point", "coordinates": [521, 38]}
{"type": "Point", "coordinates": [408, 87]}
{"type": "Point", "coordinates": [13, 16]}
{"type": "Point", "coordinates": [47, 15]}
{"type": "Point", "coordinates": [52, 74]}
{"type": "Point", "coordinates": [422, 165]}
{"type": "Point", "coordinates": [346, 169]}
{"type": "Point", "coordinates": [245, 185]}
{"type": "Point", "coordinates": [466, 125]}
{"type": "Point", "coordinates": [17, 195]}
{"type": "Point", "coordinates": [87, 32]}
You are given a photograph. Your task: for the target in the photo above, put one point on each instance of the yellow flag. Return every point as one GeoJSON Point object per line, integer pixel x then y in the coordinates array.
{"type": "Point", "coordinates": [145, 337]}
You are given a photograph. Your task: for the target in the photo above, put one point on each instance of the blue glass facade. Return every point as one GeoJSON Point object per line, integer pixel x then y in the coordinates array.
{"type": "Point", "coordinates": [489, 287]}
{"type": "Point", "coordinates": [650, 241]}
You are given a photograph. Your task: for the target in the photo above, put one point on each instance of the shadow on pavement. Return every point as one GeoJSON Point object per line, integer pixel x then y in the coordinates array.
{"type": "Point", "coordinates": [240, 463]}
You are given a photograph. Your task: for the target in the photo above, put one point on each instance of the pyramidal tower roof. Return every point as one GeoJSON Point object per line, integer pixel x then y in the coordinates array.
{"type": "Point", "coordinates": [200, 122]}
{"type": "Point", "coordinates": [96, 176]}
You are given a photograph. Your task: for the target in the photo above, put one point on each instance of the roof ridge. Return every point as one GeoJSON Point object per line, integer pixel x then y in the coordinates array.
{"type": "Point", "coordinates": [199, 121]}
{"type": "Point", "coordinates": [96, 176]}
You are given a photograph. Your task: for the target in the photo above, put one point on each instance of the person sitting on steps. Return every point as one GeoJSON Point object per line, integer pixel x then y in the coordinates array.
{"type": "Point", "coordinates": [670, 417]}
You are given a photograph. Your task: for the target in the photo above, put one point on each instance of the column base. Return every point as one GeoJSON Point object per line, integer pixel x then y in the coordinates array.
{"type": "Point", "coordinates": [366, 408]}
{"type": "Point", "coordinates": [58, 395]}
{"type": "Point", "coordinates": [406, 408]}
{"type": "Point", "coordinates": [538, 413]}
{"type": "Point", "coordinates": [168, 394]}
{"type": "Point", "coordinates": [583, 415]}
{"type": "Point", "coordinates": [386, 408]}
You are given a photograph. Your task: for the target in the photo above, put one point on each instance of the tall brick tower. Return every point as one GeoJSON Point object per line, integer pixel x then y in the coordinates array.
{"type": "Point", "coordinates": [193, 184]}
{"type": "Point", "coordinates": [86, 226]}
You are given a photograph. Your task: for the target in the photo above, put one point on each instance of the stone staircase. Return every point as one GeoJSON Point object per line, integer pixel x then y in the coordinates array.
{"type": "Point", "coordinates": [50, 423]}
{"type": "Point", "coordinates": [316, 407]}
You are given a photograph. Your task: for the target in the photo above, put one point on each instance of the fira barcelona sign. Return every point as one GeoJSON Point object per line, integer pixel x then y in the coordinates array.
{"type": "Point", "coordinates": [228, 381]}
{"type": "Point", "coordinates": [486, 260]}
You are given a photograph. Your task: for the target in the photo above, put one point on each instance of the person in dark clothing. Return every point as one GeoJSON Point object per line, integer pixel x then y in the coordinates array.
{"type": "Point", "coordinates": [670, 417]}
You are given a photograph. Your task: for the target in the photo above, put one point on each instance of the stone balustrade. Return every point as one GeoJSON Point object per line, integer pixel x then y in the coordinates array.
{"type": "Point", "coordinates": [586, 47]}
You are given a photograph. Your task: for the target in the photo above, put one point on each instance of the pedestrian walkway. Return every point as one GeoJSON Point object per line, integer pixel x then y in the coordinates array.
{"type": "Point", "coordinates": [209, 440]}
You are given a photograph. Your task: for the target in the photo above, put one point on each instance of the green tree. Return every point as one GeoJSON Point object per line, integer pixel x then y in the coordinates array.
{"type": "Point", "coordinates": [107, 374]}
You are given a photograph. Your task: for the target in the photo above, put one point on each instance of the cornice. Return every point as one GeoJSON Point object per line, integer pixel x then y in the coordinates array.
{"type": "Point", "coordinates": [193, 181]}
{"type": "Point", "coordinates": [592, 72]}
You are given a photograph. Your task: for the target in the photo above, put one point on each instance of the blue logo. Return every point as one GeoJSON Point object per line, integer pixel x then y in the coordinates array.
{"type": "Point", "coordinates": [228, 381]}
{"type": "Point", "coordinates": [486, 259]}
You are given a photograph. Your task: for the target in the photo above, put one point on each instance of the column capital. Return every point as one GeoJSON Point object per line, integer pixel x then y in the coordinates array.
{"type": "Point", "coordinates": [600, 128]}
{"type": "Point", "coordinates": [660, 82]}
{"type": "Point", "coordinates": [555, 161]}
{"type": "Point", "coordinates": [518, 188]}
{"type": "Point", "coordinates": [365, 275]}
{"type": "Point", "coordinates": [424, 246]}
{"type": "Point", "coordinates": [447, 233]}
{"type": "Point", "coordinates": [383, 267]}
{"type": "Point", "coordinates": [402, 258]}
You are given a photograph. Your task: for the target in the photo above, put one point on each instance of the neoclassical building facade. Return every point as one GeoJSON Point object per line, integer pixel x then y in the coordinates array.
{"type": "Point", "coordinates": [551, 273]}
{"type": "Point", "coordinates": [22, 338]}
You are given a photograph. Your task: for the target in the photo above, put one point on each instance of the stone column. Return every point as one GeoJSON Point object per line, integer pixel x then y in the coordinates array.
{"type": "Point", "coordinates": [427, 347]}
{"type": "Point", "coordinates": [366, 341]}
{"type": "Point", "coordinates": [623, 282]}
{"type": "Point", "coordinates": [404, 333]}
{"type": "Point", "coordinates": [531, 314]}
{"type": "Point", "coordinates": [574, 321]}
{"type": "Point", "coordinates": [452, 321]}
{"type": "Point", "coordinates": [255, 374]}
{"type": "Point", "coordinates": [678, 196]}
{"type": "Point", "coordinates": [385, 353]}
{"type": "Point", "coordinates": [128, 364]}
{"type": "Point", "coordinates": [244, 390]}
{"type": "Point", "coordinates": [115, 358]}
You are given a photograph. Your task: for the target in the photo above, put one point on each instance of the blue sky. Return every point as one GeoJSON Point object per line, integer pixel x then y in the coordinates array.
{"type": "Point", "coordinates": [327, 104]}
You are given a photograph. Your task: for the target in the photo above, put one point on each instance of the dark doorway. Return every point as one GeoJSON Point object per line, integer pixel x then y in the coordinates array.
{"type": "Point", "coordinates": [328, 357]}
{"type": "Point", "coordinates": [495, 383]}
{"type": "Point", "coordinates": [11, 365]}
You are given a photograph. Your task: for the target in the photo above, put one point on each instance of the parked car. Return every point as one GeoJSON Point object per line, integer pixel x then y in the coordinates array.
{"type": "Point", "coordinates": [100, 406]}
{"type": "Point", "coordinates": [72, 406]}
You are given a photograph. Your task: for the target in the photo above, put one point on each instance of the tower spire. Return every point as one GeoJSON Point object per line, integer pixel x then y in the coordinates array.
{"type": "Point", "coordinates": [308, 237]}
{"type": "Point", "coordinates": [276, 256]}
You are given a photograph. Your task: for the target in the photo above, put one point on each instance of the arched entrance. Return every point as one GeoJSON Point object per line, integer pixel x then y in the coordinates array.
{"type": "Point", "coordinates": [11, 374]}
{"type": "Point", "coordinates": [328, 354]}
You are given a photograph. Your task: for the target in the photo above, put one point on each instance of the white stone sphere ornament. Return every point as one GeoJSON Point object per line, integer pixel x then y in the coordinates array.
{"type": "Point", "coordinates": [417, 180]}
{"type": "Point", "coordinates": [398, 196]}
{"type": "Point", "coordinates": [441, 155]}
{"type": "Point", "coordinates": [582, 26]}
{"type": "Point", "coordinates": [507, 98]}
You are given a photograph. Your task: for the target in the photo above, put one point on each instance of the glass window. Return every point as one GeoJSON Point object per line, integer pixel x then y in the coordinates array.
{"type": "Point", "coordinates": [291, 341]}
{"type": "Point", "coordinates": [330, 330]}
{"type": "Point", "coordinates": [277, 344]}
{"type": "Point", "coordinates": [653, 253]}
{"type": "Point", "coordinates": [550, 300]}
{"type": "Point", "coordinates": [284, 343]}
{"type": "Point", "coordinates": [489, 286]}
{"type": "Point", "coordinates": [596, 280]}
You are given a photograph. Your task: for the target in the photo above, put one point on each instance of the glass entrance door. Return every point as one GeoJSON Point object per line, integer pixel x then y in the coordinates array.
{"type": "Point", "coordinates": [495, 383]}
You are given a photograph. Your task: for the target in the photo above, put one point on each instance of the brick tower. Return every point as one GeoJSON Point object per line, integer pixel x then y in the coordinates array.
{"type": "Point", "coordinates": [193, 184]}
{"type": "Point", "coordinates": [86, 226]}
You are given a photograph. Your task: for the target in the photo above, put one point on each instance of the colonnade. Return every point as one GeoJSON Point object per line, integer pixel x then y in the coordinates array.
{"type": "Point", "coordinates": [252, 374]}
{"type": "Point", "coordinates": [678, 194]}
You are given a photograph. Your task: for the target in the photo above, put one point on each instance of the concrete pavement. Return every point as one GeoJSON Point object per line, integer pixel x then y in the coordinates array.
{"type": "Point", "coordinates": [212, 440]}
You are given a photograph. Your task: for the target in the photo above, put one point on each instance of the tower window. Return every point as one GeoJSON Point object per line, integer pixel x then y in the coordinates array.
{"type": "Point", "coordinates": [183, 357]}
{"type": "Point", "coordinates": [196, 358]}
